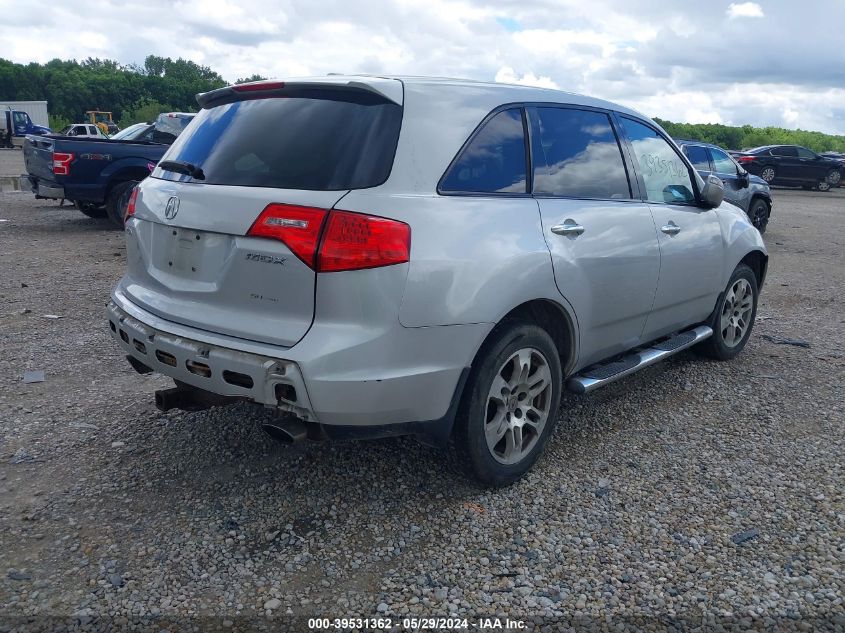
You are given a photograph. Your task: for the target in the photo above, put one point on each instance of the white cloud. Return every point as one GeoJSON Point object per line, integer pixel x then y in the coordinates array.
{"type": "Point", "coordinates": [507, 75]}
{"type": "Point", "coordinates": [662, 58]}
{"type": "Point", "coordinates": [745, 10]}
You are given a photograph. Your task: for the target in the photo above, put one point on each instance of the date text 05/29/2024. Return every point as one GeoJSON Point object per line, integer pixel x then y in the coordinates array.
{"type": "Point", "coordinates": [415, 624]}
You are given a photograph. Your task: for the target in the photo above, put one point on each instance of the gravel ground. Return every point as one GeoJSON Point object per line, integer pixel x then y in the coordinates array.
{"type": "Point", "coordinates": [693, 491]}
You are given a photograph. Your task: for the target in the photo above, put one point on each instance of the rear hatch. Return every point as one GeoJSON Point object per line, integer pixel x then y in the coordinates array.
{"type": "Point", "coordinates": [190, 258]}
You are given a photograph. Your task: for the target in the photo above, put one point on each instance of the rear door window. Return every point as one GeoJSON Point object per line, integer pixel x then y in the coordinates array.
{"type": "Point", "coordinates": [698, 157]}
{"type": "Point", "coordinates": [579, 156]}
{"type": "Point", "coordinates": [320, 140]}
{"type": "Point", "coordinates": [785, 151]}
{"type": "Point", "coordinates": [494, 160]}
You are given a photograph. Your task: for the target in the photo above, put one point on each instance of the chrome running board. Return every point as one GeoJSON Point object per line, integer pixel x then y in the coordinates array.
{"type": "Point", "coordinates": [604, 373]}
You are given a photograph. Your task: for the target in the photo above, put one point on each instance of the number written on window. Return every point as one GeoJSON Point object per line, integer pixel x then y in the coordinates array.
{"type": "Point", "coordinates": [665, 175]}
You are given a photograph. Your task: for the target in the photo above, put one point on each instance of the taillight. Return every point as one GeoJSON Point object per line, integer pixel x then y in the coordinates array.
{"type": "Point", "coordinates": [298, 227]}
{"type": "Point", "coordinates": [353, 241]}
{"type": "Point", "coordinates": [130, 206]}
{"type": "Point", "coordinates": [745, 159]}
{"type": "Point", "coordinates": [350, 241]}
{"type": "Point", "coordinates": [61, 163]}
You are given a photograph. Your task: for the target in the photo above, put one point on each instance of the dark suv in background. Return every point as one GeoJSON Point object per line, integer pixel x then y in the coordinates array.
{"type": "Point", "coordinates": [791, 165]}
{"type": "Point", "coordinates": [750, 193]}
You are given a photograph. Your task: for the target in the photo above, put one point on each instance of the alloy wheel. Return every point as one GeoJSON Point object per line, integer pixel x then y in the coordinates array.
{"type": "Point", "coordinates": [736, 313]}
{"type": "Point", "coordinates": [768, 174]}
{"type": "Point", "coordinates": [518, 405]}
{"type": "Point", "coordinates": [834, 177]}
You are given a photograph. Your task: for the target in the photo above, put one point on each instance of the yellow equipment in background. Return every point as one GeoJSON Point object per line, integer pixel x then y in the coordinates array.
{"type": "Point", "coordinates": [102, 120]}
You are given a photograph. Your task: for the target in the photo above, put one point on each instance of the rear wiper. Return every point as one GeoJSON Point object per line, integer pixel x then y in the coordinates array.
{"type": "Point", "coordinates": [183, 168]}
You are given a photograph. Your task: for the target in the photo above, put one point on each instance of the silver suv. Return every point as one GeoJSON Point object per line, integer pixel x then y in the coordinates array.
{"type": "Point", "coordinates": [376, 256]}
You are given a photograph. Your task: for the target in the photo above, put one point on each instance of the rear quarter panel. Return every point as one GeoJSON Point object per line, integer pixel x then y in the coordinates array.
{"type": "Point", "coordinates": [473, 259]}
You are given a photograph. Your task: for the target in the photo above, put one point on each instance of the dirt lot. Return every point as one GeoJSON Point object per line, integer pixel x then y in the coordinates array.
{"type": "Point", "coordinates": [693, 490]}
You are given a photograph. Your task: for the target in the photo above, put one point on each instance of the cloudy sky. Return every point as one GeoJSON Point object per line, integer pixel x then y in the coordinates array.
{"type": "Point", "coordinates": [770, 62]}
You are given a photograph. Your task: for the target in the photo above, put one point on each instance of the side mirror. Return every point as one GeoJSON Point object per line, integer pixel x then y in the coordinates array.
{"type": "Point", "coordinates": [677, 193]}
{"type": "Point", "coordinates": [742, 178]}
{"type": "Point", "coordinates": [713, 192]}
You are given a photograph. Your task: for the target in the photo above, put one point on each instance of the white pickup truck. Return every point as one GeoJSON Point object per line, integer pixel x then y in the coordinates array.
{"type": "Point", "coordinates": [87, 130]}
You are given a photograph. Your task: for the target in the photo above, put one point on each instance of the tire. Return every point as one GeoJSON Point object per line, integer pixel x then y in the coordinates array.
{"type": "Point", "coordinates": [834, 178]}
{"type": "Point", "coordinates": [758, 213]}
{"type": "Point", "coordinates": [768, 173]}
{"type": "Point", "coordinates": [494, 391]}
{"type": "Point", "coordinates": [823, 185]}
{"type": "Point", "coordinates": [117, 200]}
{"type": "Point", "coordinates": [92, 210]}
{"type": "Point", "coordinates": [730, 315]}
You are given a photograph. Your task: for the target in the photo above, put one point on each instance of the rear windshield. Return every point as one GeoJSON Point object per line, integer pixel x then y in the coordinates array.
{"type": "Point", "coordinates": [318, 140]}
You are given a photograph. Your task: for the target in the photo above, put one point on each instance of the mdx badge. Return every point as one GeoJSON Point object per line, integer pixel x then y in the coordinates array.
{"type": "Point", "coordinates": [172, 208]}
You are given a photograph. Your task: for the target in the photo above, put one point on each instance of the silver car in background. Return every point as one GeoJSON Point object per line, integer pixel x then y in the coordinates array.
{"type": "Point", "coordinates": [375, 256]}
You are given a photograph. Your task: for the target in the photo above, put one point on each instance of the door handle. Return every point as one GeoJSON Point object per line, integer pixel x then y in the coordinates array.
{"type": "Point", "coordinates": [569, 227]}
{"type": "Point", "coordinates": [671, 229]}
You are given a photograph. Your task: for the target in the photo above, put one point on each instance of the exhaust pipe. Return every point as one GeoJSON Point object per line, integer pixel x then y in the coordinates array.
{"type": "Point", "coordinates": [288, 430]}
{"type": "Point", "coordinates": [188, 399]}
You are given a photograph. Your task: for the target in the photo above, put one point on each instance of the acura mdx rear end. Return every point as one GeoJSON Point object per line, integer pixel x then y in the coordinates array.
{"type": "Point", "coordinates": [253, 274]}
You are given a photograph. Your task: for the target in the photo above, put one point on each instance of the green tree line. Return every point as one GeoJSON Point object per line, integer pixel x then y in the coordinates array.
{"type": "Point", "coordinates": [131, 93]}
{"type": "Point", "coordinates": [747, 136]}
{"type": "Point", "coordinates": [139, 93]}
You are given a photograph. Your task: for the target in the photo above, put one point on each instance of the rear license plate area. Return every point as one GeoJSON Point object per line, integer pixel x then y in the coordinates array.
{"type": "Point", "coordinates": [183, 251]}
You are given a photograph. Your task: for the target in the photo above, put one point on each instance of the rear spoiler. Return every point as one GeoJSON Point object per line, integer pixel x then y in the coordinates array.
{"type": "Point", "coordinates": [390, 89]}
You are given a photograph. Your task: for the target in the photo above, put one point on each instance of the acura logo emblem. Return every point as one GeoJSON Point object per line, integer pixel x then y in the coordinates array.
{"type": "Point", "coordinates": [172, 208]}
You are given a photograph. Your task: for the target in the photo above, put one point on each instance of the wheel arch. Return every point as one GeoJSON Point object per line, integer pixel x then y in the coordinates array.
{"type": "Point", "coordinates": [760, 196]}
{"type": "Point", "coordinates": [129, 172]}
{"type": "Point", "coordinates": [554, 318]}
{"type": "Point", "coordinates": [757, 261]}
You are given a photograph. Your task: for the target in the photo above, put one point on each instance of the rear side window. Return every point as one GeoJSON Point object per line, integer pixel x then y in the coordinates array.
{"type": "Point", "coordinates": [581, 157]}
{"type": "Point", "coordinates": [493, 161]}
{"type": "Point", "coordinates": [785, 151]}
{"type": "Point", "coordinates": [698, 156]}
{"type": "Point", "coordinates": [320, 140]}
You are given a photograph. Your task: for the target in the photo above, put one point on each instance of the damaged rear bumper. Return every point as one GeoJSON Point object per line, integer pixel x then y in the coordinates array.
{"type": "Point", "coordinates": [272, 382]}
